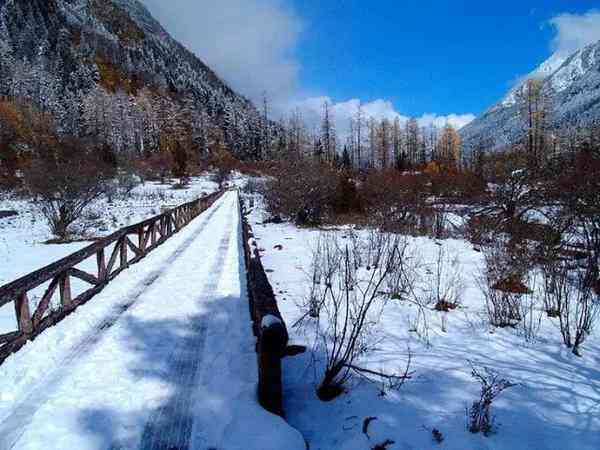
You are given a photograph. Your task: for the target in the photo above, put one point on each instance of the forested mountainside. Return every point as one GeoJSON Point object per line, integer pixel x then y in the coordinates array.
{"type": "Point", "coordinates": [570, 96]}
{"type": "Point", "coordinates": [107, 69]}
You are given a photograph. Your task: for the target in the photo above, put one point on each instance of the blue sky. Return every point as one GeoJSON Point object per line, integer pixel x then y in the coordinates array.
{"type": "Point", "coordinates": [436, 60]}
{"type": "Point", "coordinates": [424, 56]}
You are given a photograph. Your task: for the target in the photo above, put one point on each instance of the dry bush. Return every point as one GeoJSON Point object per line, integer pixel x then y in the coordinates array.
{"type": "Point", "coordinates": [157, 166]}
{"type": "Point", "coordinates": [347, 300]}
{"type": "Point", "coordinates": [576, 187]}
{"type": "Point", "coordinates": [302, 191]}
{"type": "Point", "coordinates": [479, 416]}
{"type": "Point", "coordinates": [453, 186]}
{"type": "Point", "coordinates": [397, 202]}
{"type": "Point", "coordinates": [572, 300]}
{"type": "Point", "coordinates": [64, 180]}
{"type": "Point", "coordinates": [503, 283]}
{"type": "Point", "coordinates": [444, 284]}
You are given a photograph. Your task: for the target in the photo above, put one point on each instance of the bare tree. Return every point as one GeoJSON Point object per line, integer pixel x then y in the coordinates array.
{"type": "Point", "coordinates": [359, 121]}
{"type": "Point", "coordinates": [534, 112]}
{"type": "Point", "coordinates": [328, 134]}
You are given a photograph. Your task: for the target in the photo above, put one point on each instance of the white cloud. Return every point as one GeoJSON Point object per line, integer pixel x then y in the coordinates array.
{"type": "Point", "coordinates": [312, 110]}
{"type": "Point", "coordinates": [249, 43]}
{"type": "Point", "coordinates": [574, 31]}
{"type": "Point", "coordinates": [455, 120]}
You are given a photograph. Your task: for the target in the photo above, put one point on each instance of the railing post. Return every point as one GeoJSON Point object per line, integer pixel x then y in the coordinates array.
{"type": "Point", "coordinates": [272, 343]}
{"type": "Point", "coordinates": [65, 290]}
{"type": "Point", "coordinates": [23, 314]}
{"type": "Point", "coordinates": [101, 262]}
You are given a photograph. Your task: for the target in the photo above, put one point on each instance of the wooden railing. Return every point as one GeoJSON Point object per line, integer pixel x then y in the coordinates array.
{"type": "Point", "coordinates": [269, 327]}
{"type": "Point", "coordinates": [131, 244]}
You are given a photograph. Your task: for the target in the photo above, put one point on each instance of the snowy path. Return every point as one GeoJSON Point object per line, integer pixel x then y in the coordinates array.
{"type": "Point", "coordinates": [162, 359]}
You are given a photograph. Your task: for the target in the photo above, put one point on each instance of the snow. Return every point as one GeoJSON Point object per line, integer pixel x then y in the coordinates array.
{"type": "Point", "coordinates": [556, 404]}
{"type": "Point", "coordinates": [544, 70]}
{"type": "Point", "coordinates": [162, 358]}
{"type": "Point", "coordinates": [269, 321]}
{"type": "Point", "coordinates": [563, 77]}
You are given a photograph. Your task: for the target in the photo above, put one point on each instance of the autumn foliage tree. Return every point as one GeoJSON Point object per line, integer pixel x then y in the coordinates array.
{"type": "Point", "coordinates": [22, 129]}
{"type": "Point", "coordinates": [449, 146]}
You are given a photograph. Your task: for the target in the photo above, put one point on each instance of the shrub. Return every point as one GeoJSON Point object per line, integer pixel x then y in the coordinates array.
{"type": "Point", "coordinates": [503, 284]}
{"type": "Point", "coordinates": [302, 191]}
{"type": "Point", "coordinates": [480, 418]}
{"type": "Point", "coordinates": [397, 202]}
{"type": "Point", "coordinates": [64, 181]}
{"type": "Point", "coordinates": [347, 301]}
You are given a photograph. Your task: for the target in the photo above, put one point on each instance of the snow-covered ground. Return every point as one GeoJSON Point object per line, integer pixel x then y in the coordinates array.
{"type": "Point", "coordinates": [162, 358]}
{"type": "Point", "coordinates": [556, 404]}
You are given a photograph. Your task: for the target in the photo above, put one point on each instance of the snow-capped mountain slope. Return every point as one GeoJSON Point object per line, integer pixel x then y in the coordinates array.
{"type": "Point", "coordinates": [55, 52]}
{"type": "Point", "coordinates": [571, 86]}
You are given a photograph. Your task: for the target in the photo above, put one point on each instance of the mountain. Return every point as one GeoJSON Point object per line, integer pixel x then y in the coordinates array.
{"type": "Point", "coordinates": [571, 86]}
{"type": "Point", "coordinates": [108, 68]}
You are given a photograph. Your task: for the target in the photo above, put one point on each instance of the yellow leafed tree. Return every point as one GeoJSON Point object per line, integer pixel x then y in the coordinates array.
{"type": "Point", "coordinates": [449, 147]}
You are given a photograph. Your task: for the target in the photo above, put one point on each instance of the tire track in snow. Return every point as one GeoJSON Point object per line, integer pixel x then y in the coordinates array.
{"type": "Point", "coordinates": [14, 425]}
{"type": "Point", "coordinates": [170, 426]}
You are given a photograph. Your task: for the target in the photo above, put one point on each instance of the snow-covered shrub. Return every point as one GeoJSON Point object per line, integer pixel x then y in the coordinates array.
{"type": "Point", "coordinates": [479, 416]}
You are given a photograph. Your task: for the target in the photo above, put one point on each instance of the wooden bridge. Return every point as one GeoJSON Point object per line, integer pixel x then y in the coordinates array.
{"type": "Point", "coordinates": [153, 324]}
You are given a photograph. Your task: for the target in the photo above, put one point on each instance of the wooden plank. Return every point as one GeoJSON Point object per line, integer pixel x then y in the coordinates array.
{"type": "Point", "coordinates": [45, 302]}
{"type": "Point", "coordinates": [88, 278]}
{"type": "Point", "coordinates": [4, 338]}
{"type": "Point", "coordinates": [153, 234]}
{"type": "Point", "coordinates": [141, 240]}
{"type": "Point", "coordinates": [23, 314]}
{"type": "Point", "coordinates": [133, 247]}
{"type": "Point", "coordinates": [113, 258]}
